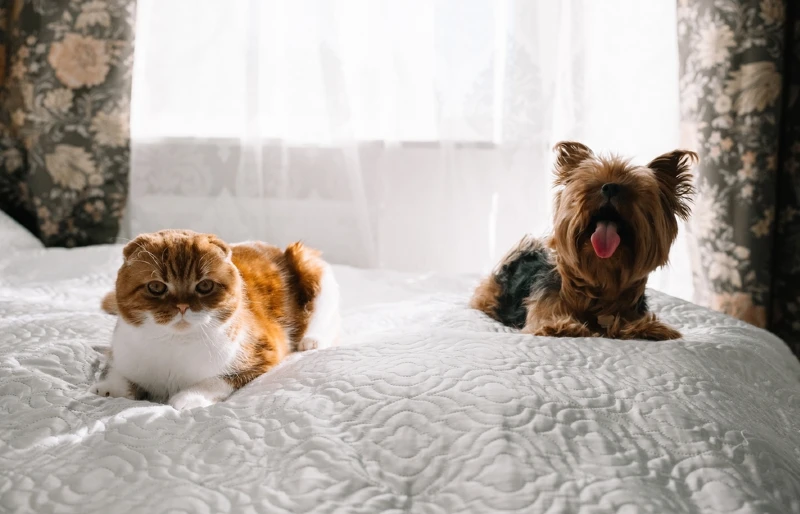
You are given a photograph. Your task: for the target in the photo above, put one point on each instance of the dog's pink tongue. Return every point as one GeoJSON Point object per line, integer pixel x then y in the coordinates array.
{"type": "Point", "coordinates": [605, 239]}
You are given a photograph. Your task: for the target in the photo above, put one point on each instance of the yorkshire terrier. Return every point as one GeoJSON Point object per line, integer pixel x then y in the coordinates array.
{"type": "Point", "coordinates": [613, 224]}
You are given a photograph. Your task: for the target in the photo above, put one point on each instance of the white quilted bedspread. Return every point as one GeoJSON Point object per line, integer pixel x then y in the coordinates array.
{"type": "Point", "coordinates": [427, 407]}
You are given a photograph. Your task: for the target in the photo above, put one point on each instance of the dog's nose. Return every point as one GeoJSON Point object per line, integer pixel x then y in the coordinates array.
{"type": "Point", "coordinates": [182, 307]}
{"type": "Point", "coordinates": [610, 190]}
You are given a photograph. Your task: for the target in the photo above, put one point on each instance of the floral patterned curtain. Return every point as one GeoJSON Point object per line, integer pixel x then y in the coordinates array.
{"type": "Point", "coordinates": [64, 116]}
{"type": "Point", "coordinates": [740, 78]}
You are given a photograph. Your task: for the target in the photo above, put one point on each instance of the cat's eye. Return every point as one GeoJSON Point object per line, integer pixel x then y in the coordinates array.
{"type": "Point", "coordinates": [157, 288]}
{"type": "Point", "coordinates": [204, 286]}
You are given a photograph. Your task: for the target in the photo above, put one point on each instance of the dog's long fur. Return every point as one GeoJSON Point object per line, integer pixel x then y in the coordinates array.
{"type": "Point", "coordinates": [559, 286]}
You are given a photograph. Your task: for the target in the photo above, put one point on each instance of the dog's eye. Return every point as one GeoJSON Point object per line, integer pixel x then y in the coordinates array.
{"type": "Point", "coordinates": [204, 286]}
{"type": "Point", "coordinates": [156, 287]}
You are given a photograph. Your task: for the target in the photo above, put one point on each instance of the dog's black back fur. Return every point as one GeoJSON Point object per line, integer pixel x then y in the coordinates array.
{"type": "Point", "coordinates": [531, 268]}
{"type": "Point", "coordinates": [641, 306]}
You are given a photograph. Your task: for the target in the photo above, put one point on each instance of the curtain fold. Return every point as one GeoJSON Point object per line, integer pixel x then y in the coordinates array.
{"type": "Point", "coordinates": [64, 116]}
{"type": "Point", "coordinates": [739, 64]}
{"type": "Point", "coordinates": [411, 135]}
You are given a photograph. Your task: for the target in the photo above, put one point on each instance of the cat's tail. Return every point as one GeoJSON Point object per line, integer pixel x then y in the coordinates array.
{"type": "Point", "coordinates": [305, 267]}
{"type": "Point", "coordinates": [503, 294]}
{"type": "Point", "coordinates": [109, 303]}
{"type": "Point", "coordinates": [317, 293]}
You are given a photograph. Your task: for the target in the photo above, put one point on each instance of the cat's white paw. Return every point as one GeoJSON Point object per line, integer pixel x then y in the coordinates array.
{"type": "Point", "coordinates": [308, 343]}
{"type": "Point", "coordinates": [313, 343]}
{"type": "Point", "coordinates": [186, 400]}
{"type": "Point", "coordinates": [111, 388]}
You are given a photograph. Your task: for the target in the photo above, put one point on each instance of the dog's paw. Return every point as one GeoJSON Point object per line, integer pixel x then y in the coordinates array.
{"type": "Point", "coordinates": [569, 329]}
{"type": "Point", "coordinates": [648, 329]}
{"type": "Point", "coordinates": [186, 400]}
{"type": "Point", "coordinates": [653, 333]}
{"type": "Point", "coordinates": [112, 389]}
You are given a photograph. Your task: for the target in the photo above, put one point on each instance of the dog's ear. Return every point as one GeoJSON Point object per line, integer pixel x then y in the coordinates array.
{"type": "Point", "coordinates": [568, 155]}
{"type": "Point", "coordinates": [674, 173]}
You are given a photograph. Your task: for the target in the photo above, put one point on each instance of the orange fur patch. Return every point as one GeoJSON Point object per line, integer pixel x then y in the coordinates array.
{"type": "Point", "coordinates": [109, 303]}
{"type": "Point", "coordinates": [281, 287]}
{"type": "Point", "coordinates": [485, 298]}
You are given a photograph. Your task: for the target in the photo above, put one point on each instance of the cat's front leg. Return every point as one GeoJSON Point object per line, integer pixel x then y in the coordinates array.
{"type": "Point", "coordinates": [202, 394]}
{"type": "Point", "coordinates": [113, 384]}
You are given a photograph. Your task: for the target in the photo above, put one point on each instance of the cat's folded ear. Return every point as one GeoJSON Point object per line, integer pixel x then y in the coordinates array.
{"type": "Point", "coordinates": [138, 243]}
{"type": "Point", "coordinates": [226, 249]}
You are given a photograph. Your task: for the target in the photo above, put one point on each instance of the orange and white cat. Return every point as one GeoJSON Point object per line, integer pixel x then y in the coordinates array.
{"type": "Point", "coordinates": [199, 318]}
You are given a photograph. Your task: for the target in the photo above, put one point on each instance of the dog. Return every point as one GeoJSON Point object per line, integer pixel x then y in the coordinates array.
{"type": "Point", "coordinates": [613, 224]}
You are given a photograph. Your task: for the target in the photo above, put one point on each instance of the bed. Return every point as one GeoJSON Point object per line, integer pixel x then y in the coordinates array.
{"type": "Point", "coordinates": [425, 407]}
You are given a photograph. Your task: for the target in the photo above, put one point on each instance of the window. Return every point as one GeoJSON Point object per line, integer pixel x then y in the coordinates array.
{"type": "Point", "coordinates": [410, 134]}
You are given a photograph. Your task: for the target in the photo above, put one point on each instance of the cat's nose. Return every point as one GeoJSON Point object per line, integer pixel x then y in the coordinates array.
{"type": "Point", "coordinates": [182, 307]}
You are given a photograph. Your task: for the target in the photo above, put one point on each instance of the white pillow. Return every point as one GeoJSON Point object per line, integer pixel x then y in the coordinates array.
{"type": "Point", "coordinates": [14, 236]}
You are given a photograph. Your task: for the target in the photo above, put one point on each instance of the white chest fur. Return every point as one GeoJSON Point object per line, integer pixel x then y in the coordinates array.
{"type": "Point", "coordinates": [164, 361]}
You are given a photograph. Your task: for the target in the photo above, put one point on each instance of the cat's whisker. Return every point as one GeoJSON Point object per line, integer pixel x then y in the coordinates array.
{"type": "Point", "coordinates": [204, 261]}
{"type": "Point", "coordinates": [207, 342]}
{"type": "Point", "coordinates": [159, 264]}
{"type": "Point", "coordinates": [146, 263]}
{"type": "Point", "coordinates": [147, 252]}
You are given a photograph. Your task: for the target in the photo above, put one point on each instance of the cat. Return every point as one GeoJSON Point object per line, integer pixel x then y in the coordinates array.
{"type": "Point", "coordinates": [198, 318]}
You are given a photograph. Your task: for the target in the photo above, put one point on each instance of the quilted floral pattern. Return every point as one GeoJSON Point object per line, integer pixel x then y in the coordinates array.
{"type": "Point", "coordinates": [426, 407]}
{"type": "Point", "coordinates": [64, 147]}
{"type": "Point", "coordinates": [740, 73]}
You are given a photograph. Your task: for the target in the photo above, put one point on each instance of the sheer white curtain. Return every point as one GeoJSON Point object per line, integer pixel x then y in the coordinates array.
{"type": "Point", "coordinates": [404, 134]}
